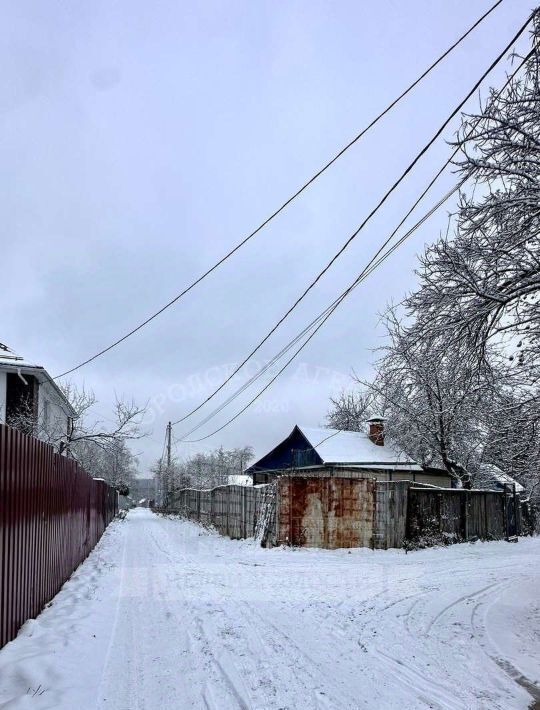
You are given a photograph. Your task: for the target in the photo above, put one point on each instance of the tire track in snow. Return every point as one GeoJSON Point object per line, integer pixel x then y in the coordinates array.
{"type": "Point", "coordinates": [290, 652]}
{"type": "Point", "coordinates": [489, 594]}
{"type": "Point", "coordinates": [114, 627]}
{"type": "Point", "coordinates": [434, 693]}
{"type": "Point", "coordinates": [490, 650]}
{"type": "Point", "coordinates": [201, 637]}
{"type": "Point", "coordinates": [282, 658]}
{"type": "Point", "coordinates": [235, 663]}
{"type": "Point", "coordinates": [148, 667]}
{"type": "Point", "coordinates": [209, 640]}
{"type": "Point", "coordinates": [461, 600]}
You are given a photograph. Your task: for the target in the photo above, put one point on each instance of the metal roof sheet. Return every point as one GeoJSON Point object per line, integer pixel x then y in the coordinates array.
{"type": "Point", "coordinates": [335, 446]}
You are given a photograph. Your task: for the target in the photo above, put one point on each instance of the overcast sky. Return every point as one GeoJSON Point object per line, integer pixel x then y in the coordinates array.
{"type": "Point", "coordinates": [140, 141]}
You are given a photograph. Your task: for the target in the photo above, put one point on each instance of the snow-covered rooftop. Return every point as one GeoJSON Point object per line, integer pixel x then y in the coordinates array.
{"type": "Point", "coordinates": [492, 473]}
{"type": "Point", "coordinates": [12, 362]}
{"type": "Point", "coordinates": [352, 447]}
{"type": "Point", "coordinates": [10, 357]}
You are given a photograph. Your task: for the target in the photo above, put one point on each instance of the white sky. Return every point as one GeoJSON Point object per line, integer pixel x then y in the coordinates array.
{"type": "Point", "coordinates": [139, 141]}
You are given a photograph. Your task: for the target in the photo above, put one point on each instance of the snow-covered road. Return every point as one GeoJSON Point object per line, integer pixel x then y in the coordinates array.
{"type": "Point", "coordinates": [165, 615]}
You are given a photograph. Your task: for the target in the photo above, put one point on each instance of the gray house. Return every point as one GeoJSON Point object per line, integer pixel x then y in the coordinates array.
{"type": "Point", "coordinates": [30, 397]}
{"type": "Point", "coordinates": [331, 452]}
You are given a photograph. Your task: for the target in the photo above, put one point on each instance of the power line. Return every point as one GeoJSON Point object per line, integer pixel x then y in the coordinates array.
{"type": "Point", "coordinates": [371, 265]}
{"type": "Point", "coordinates": [367, 271]}
{"type": "Point", "coordinates": [362, 225]}
{"type": "Point", "coordinates": [318, 322]}
{"type": "Point", "coordinates": [327, 315]}
{"type": "Point", "coordinates": [321, 315]}
{"type": "Point", "coordinates": [287, 202]}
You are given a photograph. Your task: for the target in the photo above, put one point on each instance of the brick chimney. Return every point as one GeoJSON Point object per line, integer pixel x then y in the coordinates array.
{"type": "Point", "coordinates": [376, 430]}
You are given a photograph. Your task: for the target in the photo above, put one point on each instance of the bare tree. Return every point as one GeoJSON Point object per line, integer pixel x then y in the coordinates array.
{"type": "Point", "coordinates": [481, 285]}
{"type": "Point", "coordinates": [203, 470]}
{"type": "Point", "coordinates": [512, 441]}
{"type": "Point", "coordinates": [101, 448]}
{"type": "Point", "coordinates": [124, 424]}
{"type": "Point", "coordinates": [434, 401]}
{"type": "Point", "coordinates": [459, 383]}
{"type": "Point", "coordinates": [24, 419]}
{"type": "Point", "coordinates": [350, 410]}
{"type": "Point", "coordinates": [113, 462]}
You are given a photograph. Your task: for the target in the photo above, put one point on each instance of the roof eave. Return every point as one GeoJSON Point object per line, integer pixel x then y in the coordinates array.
{"type": "Point", "coordinates": [39, 370]}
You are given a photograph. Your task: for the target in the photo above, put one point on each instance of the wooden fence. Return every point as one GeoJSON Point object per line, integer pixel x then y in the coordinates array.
{"type": "Point", "coordinates": [329, 512]}
{"type": "Point", "coordinates": [390, 517]}
{"type": "Point", "coordinates": [232, 510]}
{"type": "Point", "coordinates": [52, 514]}
{"type": "Point", "coordinates": [456, 514]}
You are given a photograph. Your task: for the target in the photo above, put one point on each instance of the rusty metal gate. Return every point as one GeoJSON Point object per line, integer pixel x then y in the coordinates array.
{"type": "Point", "coordinates": [325, 512]}
{"type": "Point", "coordinates": [52, 513]}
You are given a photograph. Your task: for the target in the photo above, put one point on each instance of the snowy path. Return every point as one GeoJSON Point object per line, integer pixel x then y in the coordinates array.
{"type": "Point", "coordinates": [163, 615]}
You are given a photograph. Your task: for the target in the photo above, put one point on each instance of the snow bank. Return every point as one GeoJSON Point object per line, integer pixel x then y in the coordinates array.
{"type": "Point", "coordinates": [166, 615]}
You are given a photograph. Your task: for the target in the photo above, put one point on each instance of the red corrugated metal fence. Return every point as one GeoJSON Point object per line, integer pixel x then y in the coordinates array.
{"type": "Point", "coordinates": [52, 513]}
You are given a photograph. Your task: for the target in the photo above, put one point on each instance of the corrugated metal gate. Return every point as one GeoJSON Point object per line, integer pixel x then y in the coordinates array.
{"type": "Point", "coordinates": [51, 516]}
{"type": "Point", "coordinates": [325, 512]}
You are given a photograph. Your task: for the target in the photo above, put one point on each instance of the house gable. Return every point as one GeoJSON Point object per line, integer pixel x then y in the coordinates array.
{"type": "Point", "coordinates": [295, 450]}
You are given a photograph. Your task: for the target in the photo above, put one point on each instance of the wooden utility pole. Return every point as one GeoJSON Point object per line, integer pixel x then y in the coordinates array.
{"type": "Point", "coordinates": [169, 435]}
{"type": "Point", "coordinates": [167, 472]}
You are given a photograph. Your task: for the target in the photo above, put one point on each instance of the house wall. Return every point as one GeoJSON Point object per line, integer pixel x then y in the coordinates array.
{"type": "Point", "coordinates": [48, 399]}
{"type": "Point", "coordinates": [444, 481]}
{"type": "Point", "coordinates": [56, 426]}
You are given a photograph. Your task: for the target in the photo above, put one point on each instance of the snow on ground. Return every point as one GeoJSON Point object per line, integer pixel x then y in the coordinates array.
{"type": "Point", "coordinates": [165, 615]}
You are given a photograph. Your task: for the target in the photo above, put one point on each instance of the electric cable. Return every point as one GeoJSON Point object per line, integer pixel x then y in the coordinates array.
{"type": "Point", "coordinates": [285, 204]}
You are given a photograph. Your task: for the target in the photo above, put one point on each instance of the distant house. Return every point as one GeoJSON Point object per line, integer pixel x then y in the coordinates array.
{"type": "Point", "coordinates": [32, 401]}
{"type": "Point", "coordinates": [330, 452]}
{"type": "Point", "coordinates": [239, 479]}
{"type": "Point", "coordinates": [494, 478]}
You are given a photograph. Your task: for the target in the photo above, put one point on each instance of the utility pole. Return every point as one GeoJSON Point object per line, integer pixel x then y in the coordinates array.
{"type": "Point", "coordinates": [167, 472]}
{"type": "Point", "coordinates": [169, 434]}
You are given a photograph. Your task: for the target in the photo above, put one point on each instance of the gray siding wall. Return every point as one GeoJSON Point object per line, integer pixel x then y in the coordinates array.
{"type": "Point", "coordinates": [444, 481]}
